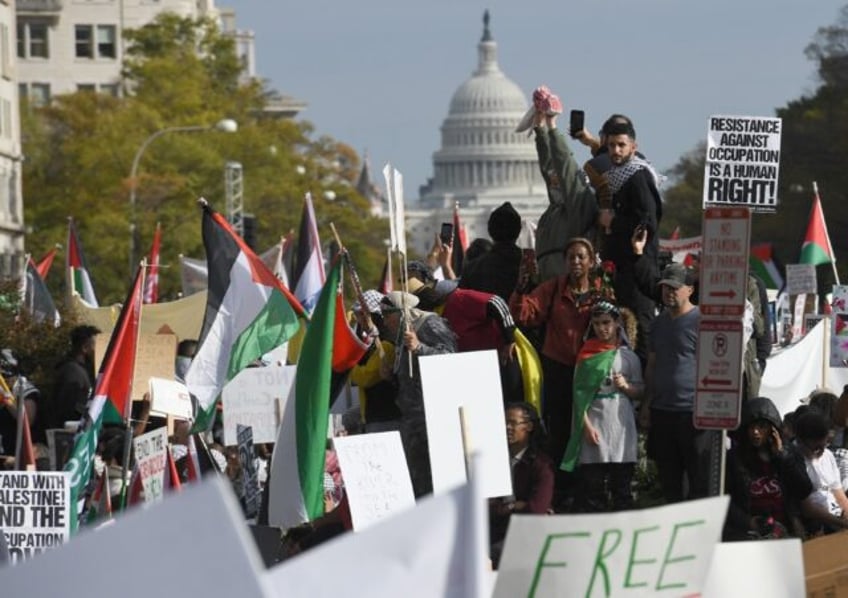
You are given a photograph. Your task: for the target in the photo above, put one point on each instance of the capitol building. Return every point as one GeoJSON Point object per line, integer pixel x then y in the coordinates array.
{"type": "Point", "coordinates": [482, 162]}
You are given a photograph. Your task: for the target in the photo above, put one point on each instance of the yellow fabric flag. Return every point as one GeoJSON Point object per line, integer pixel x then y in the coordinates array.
{"type": "Point", "coordinates": [531, 370]}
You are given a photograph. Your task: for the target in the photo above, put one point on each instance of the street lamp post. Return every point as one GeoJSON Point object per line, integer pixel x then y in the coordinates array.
{"type": "Point", "coordinates": [226, 125]}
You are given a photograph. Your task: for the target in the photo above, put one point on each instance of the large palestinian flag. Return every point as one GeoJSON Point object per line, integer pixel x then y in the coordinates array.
{"type": "Point", "coordinates": [248, 313]}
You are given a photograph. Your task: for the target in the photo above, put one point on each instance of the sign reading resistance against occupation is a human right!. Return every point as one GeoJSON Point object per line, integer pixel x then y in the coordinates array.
{"type": "Point", "coordinates": [742, 162]}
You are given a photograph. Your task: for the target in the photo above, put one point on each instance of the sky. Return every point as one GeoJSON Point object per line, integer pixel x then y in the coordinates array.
{"type": "Point", "coordinates": [379, 74]}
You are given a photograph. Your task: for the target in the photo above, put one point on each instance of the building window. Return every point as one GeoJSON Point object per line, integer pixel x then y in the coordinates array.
{"type": "Point", "coordinates": [106, 46]}
{"type": "Point", "coordinates": [95, 41]}
{"type": "Point", "coordinates": [89, 87]}
{"type": "Point", "coordinates": [84, 40]}
{"type": "Point", "coordinates": [110, 89]}
{"type": "Point", "coordinates": [39, 94]}
{"type": "Point", "coordinates": [33, 41]}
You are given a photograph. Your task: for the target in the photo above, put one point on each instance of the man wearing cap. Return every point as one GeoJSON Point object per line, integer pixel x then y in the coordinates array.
{"type": "Point", "coordinates": [496, 271]}
{"type": "Point", "coordinates": [678, 449]}
{"type": "Point", "coordinates": [417, 333]}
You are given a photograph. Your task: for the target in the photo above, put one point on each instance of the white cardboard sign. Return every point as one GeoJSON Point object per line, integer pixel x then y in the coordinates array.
{"type": "Point", "coordinates": [773, 568]}
{"type": "Point", "coordinates": [664, 551]}
{"type": "Point", "coordinates": [253, 398]}
{"type": "Point", "coordinates": [169, 397]}
{"type": "Point", "coordinates": [159, 548]}
{"type": "Point", "coordinates": [375, 475]}
{"type": "Point", "coordinates": [472, 381]}
{"type": "Point", "coordinates": [743, 162]}
{"type": "Point", "coordinates": [34, 512]}
{"type": "Point", "coordinates": [151, 458]}
{"type": "Point", "coordinates": [801, 278]}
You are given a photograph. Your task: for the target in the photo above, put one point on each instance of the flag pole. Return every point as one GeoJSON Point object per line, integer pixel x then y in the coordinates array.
{"type": "Point", "coordinates": [125, 465]}
{"type": "Point", "coordinates": [357, 287]}
{"type": "Point", "coordinates": [827, 236]}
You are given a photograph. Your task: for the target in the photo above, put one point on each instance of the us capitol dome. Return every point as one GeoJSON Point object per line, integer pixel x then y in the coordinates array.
{"type": "Point", "coordinates": [482, 162]}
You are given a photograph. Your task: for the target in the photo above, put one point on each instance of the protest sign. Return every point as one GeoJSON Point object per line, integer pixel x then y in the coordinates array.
{"type": "Point", "coordinates": [419, 552]}
{"type": "Point", "coordinates": [151, 457]}
{"type": "Point", "coordinates": [249, 492]}
{"type": "Point", "coordinates": [772, 568]}
{"type": "Point", "coordinates": [664, 551]}
{"type": "Point", "coordinates": [169, 397]}
{"type": "Point", "coordinates": [801, 278]}
{"type": "Point", "coordinates": [471, 381]}
{"type": "Point", "coordinates": [839, 330]}
{"type": "Point", "coordinates": [193, 544]}
{"type": "Point", "coordinates": [253, 398]}
{"type": "Point", "coordinates": [375, 476]}
{"type": "Point", "coordinates": [34, 511]}
{"type": "Point", "coordinates": [154, 359]}
{"type": "Point", "coordinates": [742, 163]}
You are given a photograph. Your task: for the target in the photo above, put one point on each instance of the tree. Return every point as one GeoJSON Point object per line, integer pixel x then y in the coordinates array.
{"type": "Point", "coordinates": [811, 150]}
{"type": "Point", "coordinates": [181, 72]}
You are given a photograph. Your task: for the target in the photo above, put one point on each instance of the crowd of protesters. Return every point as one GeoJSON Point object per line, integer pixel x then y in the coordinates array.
{"type": "Point", "coordinates": [615, 327]}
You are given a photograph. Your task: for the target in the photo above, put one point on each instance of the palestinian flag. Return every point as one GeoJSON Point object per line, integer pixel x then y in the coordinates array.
{"type": "Point", "coordinates": [309, 268]}
{"type": "Point", "coordinates": [593, 365]}
{"type": "Point", "coordinates": [79, 280]}
{"type": "Point", "coordinates": [764, 265]}
{"type": "Point", "coordinates": [297, 467]}
{"type": "Point", "coordinates": [112, 392]}
{"type": "Point", "coordinates": [44, 263]}
{"type": "Point", "coordinates": [248, 313]}
{"type": "Point", "coordinates": [37, 299]}
{"type": "Point", "coordinates": [816, 248]}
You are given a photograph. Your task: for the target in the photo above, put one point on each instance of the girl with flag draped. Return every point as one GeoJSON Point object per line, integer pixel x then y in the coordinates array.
{"type": "Point", "coordinates": [603, 441]}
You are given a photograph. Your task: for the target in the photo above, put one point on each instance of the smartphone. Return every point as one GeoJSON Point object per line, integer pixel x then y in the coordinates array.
{"type": "Point", "coordinates": [446, 234]}
{"type": "Point", "coordinates": [576, 123]}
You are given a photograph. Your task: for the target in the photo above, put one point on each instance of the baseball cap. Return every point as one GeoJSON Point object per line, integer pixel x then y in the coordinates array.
{"type": "Point", "coordinates": [676, 276]}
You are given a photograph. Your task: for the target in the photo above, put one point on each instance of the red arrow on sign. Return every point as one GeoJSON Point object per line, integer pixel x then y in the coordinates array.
{"type": "Point", "coordinates": [730, 294]}
{"type": "Point", "coordinates": [716, 382]}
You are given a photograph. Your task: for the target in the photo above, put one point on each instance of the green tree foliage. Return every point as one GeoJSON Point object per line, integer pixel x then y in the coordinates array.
{"type": "Point", "coordinates": [38, 346]}
{"type": "Point", "coordinates": [810, 151]}
{"type": "Point", "coordinates": [180, 72]}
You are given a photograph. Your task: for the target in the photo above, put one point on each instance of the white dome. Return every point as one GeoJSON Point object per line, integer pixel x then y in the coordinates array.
{"type": "Point", "coordinates": [486, 93]}
{"type": "Point", "coordinates": [480, 151]}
